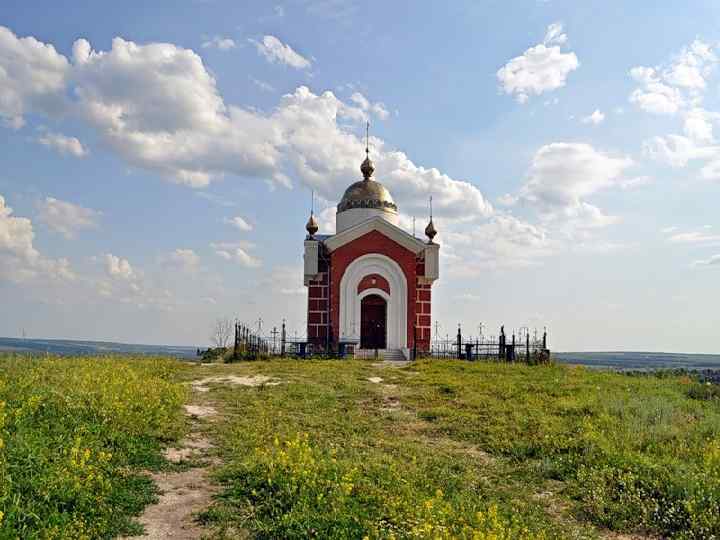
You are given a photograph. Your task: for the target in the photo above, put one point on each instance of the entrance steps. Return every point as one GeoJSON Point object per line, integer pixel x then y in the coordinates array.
{"type": "Point", "coordinates": [385, 354]}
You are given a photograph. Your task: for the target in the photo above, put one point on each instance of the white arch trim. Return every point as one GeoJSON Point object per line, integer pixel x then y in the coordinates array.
{"type": "Point", "coordinates": [350, 300]}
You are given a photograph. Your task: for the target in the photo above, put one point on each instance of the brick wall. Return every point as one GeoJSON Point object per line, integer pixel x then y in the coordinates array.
{"type": "Point", "coordinates": [318, 303]}
{"type": "Point", "coordinates": [373, 281]}
{"type": "Point", "coordinates": [423, 304]}
{"type": "Point", "coordinates": [373, 242]}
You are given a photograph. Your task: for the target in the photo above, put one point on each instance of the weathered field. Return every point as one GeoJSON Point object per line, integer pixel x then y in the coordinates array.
{"type": "Point", "coordinates": [348, 449]}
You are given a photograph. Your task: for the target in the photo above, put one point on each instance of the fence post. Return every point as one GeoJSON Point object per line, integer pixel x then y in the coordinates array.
{"type": "Point", "coordinates": [459, 342]}
{"type": "Point", "coordinates": [501, 347]}
{"type": "Point", "coordinates": [282, 340]}
{"type": "Point", "coordinates": [527, 347]}
{"type": "Point", "coordinates": [235, 342]}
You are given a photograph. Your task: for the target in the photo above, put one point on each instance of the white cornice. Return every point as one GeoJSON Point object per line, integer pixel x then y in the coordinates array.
{"type": "Point", "coordinates": [376, 223]}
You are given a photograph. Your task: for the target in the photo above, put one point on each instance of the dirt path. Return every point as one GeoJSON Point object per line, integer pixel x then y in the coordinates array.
{"type": "Point", "coordinates": [183, 494]}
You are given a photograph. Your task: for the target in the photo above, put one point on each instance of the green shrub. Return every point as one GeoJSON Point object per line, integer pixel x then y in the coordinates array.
{"type": "Point", "coordinates": [704, 391]}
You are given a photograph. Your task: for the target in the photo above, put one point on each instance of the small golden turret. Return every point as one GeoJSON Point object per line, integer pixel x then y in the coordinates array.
{"type": "Point", "coordinates": [430, 231]}
{"type": "Point", "coordinates": [311, 227]}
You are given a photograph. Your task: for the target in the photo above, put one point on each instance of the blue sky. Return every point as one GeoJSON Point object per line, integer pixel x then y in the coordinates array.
{"type": "Point", "coordinates": [158, 160]}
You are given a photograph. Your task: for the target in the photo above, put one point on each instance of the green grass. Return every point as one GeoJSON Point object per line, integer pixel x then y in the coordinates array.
{"type": "Point", "coordinates": [75, 434]}
{"type": "Point", "coordinates": [466, 450]}
{"type": "Point", "coordinates": [439, 449]}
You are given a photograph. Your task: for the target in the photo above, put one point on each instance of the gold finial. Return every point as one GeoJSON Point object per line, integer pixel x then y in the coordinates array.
{"type": "Point", "coordinates": [367, 168]}
{"type": "Point", "coordinates": [311, 226]}
{"type": "Point", "coordinates": [430, 230]}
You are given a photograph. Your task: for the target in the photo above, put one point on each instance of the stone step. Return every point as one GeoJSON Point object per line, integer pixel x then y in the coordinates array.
{"type": "Point", "coordinates": [385, 354]}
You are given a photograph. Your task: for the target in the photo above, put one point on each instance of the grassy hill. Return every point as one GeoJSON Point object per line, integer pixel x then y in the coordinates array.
{"type": "Point", "coordinates": [353, 449]}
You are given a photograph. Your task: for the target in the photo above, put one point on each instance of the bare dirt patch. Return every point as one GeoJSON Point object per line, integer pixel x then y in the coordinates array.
{"type": "Point", "coordinates": [199, 411]}
{"type": "Point", "coordinates": [183, 494]}
{"type": "Point", "coordinates": [256, 380]}
{"type": "Point", "coordinates": [391, 364]}
{"type": "Point", "coordinates": [187, 449]}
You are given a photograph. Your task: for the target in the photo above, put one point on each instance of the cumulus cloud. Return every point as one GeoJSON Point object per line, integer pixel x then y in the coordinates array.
{"type": "Point", "coordinates": [677, 150]}
{"type": "Point", "coordinates": [124, 283]}
{"type": "Point", "coordinates": [540, 69]}
{"type": "Point", "coordinates": [220, 43]}
{"type": "Point", "coordinates": [158, 107]}
{"type": "Point", "coordinates": [563, 175]}
{"type": "Point", "coordinates": [19, 259]}
{"type": "Point", "coordinates": [275, 51]}
{"type": "Point", "coordinates": [63, 144]}
{"type": "Point", "coordinates": [67, 218]}
{"type": "Point", "coordinates": [668, 88]}
{"type": "Point", "coordinates": [238, 252]}
{"type": "Point", "coordinates": [654, 96]}
{"type": "Point", "coordinates": [239, 223]}
{"type": "Point", "coordinates": [119, 268]}
{"type": "Point", "coordinates": [501, 241]}
{"type": "Point", "coordinates": [33, 77]}
{"type": "Point", "coordinates": [375, 109]}
{"type": "Point", "coordinates": [595, 118]}
{"type": "Point", "coordinates": [185, 260]}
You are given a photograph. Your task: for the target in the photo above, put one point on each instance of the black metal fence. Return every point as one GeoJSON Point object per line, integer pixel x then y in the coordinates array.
{"type": "Point", "coordinates": [520, 347]}
{"type": "Point", "coordinates": [249, 345]}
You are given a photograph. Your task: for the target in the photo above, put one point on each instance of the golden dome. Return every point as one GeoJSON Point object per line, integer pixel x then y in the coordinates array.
{"type": "Point", "coordinates": [367, 194]}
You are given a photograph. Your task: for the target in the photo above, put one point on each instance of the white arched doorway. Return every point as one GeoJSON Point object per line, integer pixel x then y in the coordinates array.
{"type": "Point", "coordinates": [351, 300]}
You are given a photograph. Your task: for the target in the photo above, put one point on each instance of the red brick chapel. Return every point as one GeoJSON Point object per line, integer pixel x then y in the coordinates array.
{"type": "Point", "coordinates": [370, 283]}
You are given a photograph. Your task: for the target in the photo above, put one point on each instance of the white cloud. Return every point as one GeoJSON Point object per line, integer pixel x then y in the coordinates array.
{"type": "Point", "coordinates": [119, 268]}
{"type": "Point", "coordinates": [562, 175]}
{"type": "Point", "coordinates": [124, 283]}
{"type": "Point", "coordinates": [19, 259]}
{"type": "Point", "coordinates": [712, 261]}
{"type": "Point", "coordinates": [654, 96]}
{"type": "Point", "coordinates": [237, 252]}
{"type": "Point", "coordinates": [239, 223]}
{"type": "Point", "coordinates": [33, 76]}
{"type": "Point", "coordinates": [168, 117]}
{"type": "Point", "coordinates": [694, 237]}
{"type": "Point", "coordinates": [698, 125]}
{"type": "Point", "coordinates": [275, 51]}
{"type": "Point", "coordinates": [63, 144]}
{"type": "Point", "coordinates": [691, 67]}
{"type": "Point", "coordinates": [67, 218]}
{"type": "Point", "coordinates": [376, 109]}
{"type": "Point", "coordinates": [669, 88]}
{"type": "Point", "coordinates": [636, 182]}
{"type": "Point", "coordinates": [540, 69]}
{"type": "Point", "coordinates": [220, 43]}
{"type": "Point", "coordinates": [262, 85]}
{"type": "Point", "coordinates": [502, 241]}
{"type": "Point", "coordinates": [554, 34]}
{"type": "Point", "coordinates": [595, 118]}
{"type": "Point", "coordinates": [677, 150]}
{"type": "Point", "coordinates": [185, 260]}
